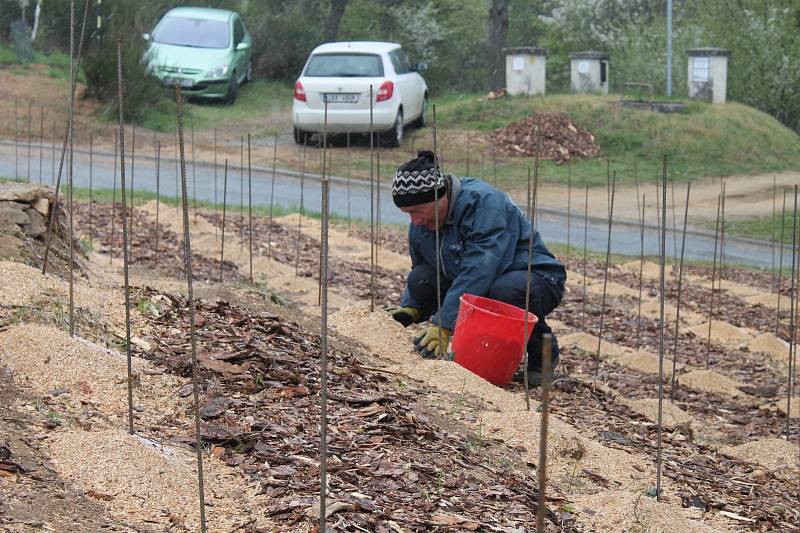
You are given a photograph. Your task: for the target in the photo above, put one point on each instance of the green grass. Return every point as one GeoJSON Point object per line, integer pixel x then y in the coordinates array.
{"type": "Point", "coordinates": [705, 140]}
{"type": "Point", "coordinates": [255, 98]}
{"type": "Point", "coordinates": [57, 62]}
{"type": "Point", "coordinates": [758, 228]}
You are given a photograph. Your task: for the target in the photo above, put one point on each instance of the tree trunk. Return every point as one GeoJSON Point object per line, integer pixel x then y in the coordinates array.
{"type": "Point", "coordinates": [334, 17]}
{"type": "Point", "coordinates": [498, 25]}
{"type": "Point", "coordinates": [36, 14]}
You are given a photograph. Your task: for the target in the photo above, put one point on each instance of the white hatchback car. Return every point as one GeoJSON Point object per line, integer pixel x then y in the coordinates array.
{"type": "Point", "coordinates": [342, 73]}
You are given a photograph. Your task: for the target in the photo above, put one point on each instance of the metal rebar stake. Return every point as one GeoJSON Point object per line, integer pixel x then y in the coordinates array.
{"type": "Point", "coordinates": [547, 354]}
{"type": "Point", "coordinates": [323, 445]}
{"type": "Point", "coordinates": [569, 209]}
{"type": "Point", "coordinates": [661, 326]}
{"type": "Point", "coordinates": [349, 178]}
{"type": "Point", "coordinates": [772, 233]}
{"type": "Point", "coordinates": [224, 213]}
{"type": "Point", "coordinates": [680, 287]}
{"type": "Point", "coordinates": [436, 170]}
{"type": "Point", "coordinates": [30, 116]}
{"type": "Point", "coordinates": [300, 215]}
{"type": "Point", "coordinates": [780, 268]}
{"type": "Point", "coordinates": [70, 168]}
{"type": "Point", "coordinates": [73, 84]}
{"type": "Point", "coordinates": [525, 332]}
{"type": "Point", "coordinates": [215, 177]}
{"type": "Point", "coordinates": [372, 202]}
{"type": "Point", "coordinates": [713, 279]}
{"type": "Point", "coordinates": [91, 186]}
{"type": "Point", "coordinates": [53, 156]}
{"type": "Point", "coordinates": [158, 199]}
{"type": "Point", "coordinates": [641, 277]}
{"type": "Point", "coordinates": [16, 140]}
{"type": "Point", "coordinates": [187, 256]}
{"type": "Point", "coordinates": [121, 125]}
{"type": "Point", "coordinates": [585, 247]}
{"type": "Point", "coordinates": [272, 195]}
{"type": "Point", "coordinates": [605, 274]}
{"type": "Point", "coordinates": [793, 317]}
{"type": "Point", "coordinates": [194, 168]}
{"type": "Point", "coordinates": [241, 194]}
{"type": "Point", "coordinates": [249, 202]}
{"type": "Point", "coordinates": [41, 142]}
{"type": "Point", "coordinates": [469, 138]}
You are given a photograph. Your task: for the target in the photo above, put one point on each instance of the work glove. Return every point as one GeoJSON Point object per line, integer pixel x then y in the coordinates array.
{"type": "Point", "coordinates": [405, 315]}
{"type": "Point", "coordinates": [427, 342]}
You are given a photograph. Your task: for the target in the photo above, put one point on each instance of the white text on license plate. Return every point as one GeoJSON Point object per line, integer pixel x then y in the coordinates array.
{"type": "Point", "coordinates": [182, 82]}
{"type": "Point", "coordinates": [341, 98]}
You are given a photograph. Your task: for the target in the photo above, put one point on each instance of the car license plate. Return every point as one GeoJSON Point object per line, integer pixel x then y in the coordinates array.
{"type": "Point", "coordinates": [182, 82]}
{"type": "Point", "coordinates": [341, 98]}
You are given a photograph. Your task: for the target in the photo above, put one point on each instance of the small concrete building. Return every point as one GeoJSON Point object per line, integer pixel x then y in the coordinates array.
{"type": "Point", "coordinates": [526, 70]}
{"type": "Point", "coordinates": [708, 74]}
{"type": "Point", "coordinates": [588, 72]}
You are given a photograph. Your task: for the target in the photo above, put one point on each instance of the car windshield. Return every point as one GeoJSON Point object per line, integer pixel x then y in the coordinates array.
{"type": "Point", "coordinates": [345, 66]}
{"type": "Point", "coordinates": [197, 33]}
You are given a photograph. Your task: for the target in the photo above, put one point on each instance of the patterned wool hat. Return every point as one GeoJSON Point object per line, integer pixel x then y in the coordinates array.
{"type": "Point", "coordinates": [418, 181]}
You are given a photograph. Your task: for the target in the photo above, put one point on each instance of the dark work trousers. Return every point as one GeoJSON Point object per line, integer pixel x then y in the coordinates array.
{"type": "Point", "coordinates": [547, 289]}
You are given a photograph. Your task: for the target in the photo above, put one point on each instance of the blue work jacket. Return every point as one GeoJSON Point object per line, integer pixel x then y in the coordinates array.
{"type": "Point", "coordinates": [484, 236]}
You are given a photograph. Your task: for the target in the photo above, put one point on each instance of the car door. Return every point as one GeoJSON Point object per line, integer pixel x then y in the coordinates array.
{"type": "Point", "coordinates": [240, 56]}
{"type": "Point", "coordinates": [419, 84]}
{"type": "Point", "coordinates": [405, 84]}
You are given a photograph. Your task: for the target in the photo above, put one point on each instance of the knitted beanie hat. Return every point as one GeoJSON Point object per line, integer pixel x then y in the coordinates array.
{"type": "Point", "coordinates": [418, 181]}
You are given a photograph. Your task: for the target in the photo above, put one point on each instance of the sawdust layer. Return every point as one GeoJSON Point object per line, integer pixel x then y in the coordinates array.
{"type": "Point", "coordinates": [347, 247]}
{"type": "Point", "coordinates": [146, 482]}
{"type": "Point", "coordinates": [646, 362]}
{"type": "Point", "coordinates": [773, 454]}
{"type": "Point", "coordinates": [721, 332]}
{"type": "Point", "coordinates": [710, 381]}
{"type": "Point", "coordinates": [650, 270]}
{"type": "Point", "coordinates": [776, 349]}
{"type": "Point", "coordinates": [672, 416]}
{"type": "Point", "coordinates": [620, 511]}
{"type": "Point", "coordinates": [46, 359]}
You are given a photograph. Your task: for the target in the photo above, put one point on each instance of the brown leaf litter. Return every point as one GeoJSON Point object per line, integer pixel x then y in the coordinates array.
{"type": "Point", "coordinates": [779, 455]}
{"type": "Point", "coordinates": [560, 138]}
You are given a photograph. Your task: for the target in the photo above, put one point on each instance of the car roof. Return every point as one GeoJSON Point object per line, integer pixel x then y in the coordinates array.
{"type": "Point", "coordinates": [205, 13]}
{"type": "Point", "coordinates": [356, 46]}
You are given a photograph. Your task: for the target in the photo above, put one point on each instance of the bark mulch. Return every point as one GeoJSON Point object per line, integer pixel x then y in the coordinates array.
{"type": "Point", "coordinates": [166, 257]}
{"type": "Point", "coordinates": [561, 139]}
{"type": "Point", "coordinates": [388, 461]}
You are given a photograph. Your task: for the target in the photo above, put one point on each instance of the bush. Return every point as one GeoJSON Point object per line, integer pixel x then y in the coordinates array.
{"type": "Point", "coordinates": [140, 88]}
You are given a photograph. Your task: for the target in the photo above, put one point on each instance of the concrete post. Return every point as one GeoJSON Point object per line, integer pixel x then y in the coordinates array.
{"type": "Point", "coordinates": [708, 74]}
{"type": "Point", "coordinates": [526, 70]}
{"type": "Point", "coordinates": [589, 72]}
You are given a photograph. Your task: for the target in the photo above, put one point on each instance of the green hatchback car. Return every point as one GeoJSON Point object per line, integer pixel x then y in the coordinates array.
{"type": "Point", "coordinates": [207, 52]}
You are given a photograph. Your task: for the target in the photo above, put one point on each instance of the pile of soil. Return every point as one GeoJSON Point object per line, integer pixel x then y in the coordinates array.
{"type": "Point", "coordinates": [561, 138]}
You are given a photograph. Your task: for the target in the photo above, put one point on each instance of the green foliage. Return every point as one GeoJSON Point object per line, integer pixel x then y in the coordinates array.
{"type": "Point", "coordinates": [706, 140]}
{"type": "Point", "coordinates": [100, 68]}
{"type": "Point", "coordinates": [764, 68]}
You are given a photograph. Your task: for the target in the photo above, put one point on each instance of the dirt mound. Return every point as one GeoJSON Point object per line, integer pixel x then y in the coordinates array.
{"type": "Point", "coordinates": [775, 454]}
{"type": "Point", "coordinates": [561, 139]}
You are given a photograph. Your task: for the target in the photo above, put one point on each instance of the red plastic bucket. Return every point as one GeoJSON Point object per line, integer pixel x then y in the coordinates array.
{"type": "Point", "coordinates": [487, 339]}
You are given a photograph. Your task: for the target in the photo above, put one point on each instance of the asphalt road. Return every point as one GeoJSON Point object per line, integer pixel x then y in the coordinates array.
{"type": "Point", "coordinates": [353, 199]}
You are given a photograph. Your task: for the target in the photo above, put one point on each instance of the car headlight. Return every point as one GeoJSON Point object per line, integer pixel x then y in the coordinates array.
{"type": "Point", "coordinates": [218, 71]}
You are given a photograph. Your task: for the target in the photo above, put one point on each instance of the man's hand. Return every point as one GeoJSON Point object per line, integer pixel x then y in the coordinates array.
{"type": "Point", "coordinates": [405, 315]}
{"type": "Point", "coordinates": [432, 342]}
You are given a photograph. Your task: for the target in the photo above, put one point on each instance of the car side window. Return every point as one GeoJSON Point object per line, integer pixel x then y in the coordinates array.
{"type": "Point", "coordinates": [397, 63]}
{"type": "Point", "coordinates": [404, 61]}
{"type": "Point", "coordinates": [238, 31]}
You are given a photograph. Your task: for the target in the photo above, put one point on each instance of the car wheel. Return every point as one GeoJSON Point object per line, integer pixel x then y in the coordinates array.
{"type": "Point", "coordinates": [422, 120]}
{"type": "Point", "coordinates": [394, 137]}
{"type": "Point", "coordinates": [233, 89]}
{"type": "Point", "coordinates": [300, 136]}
